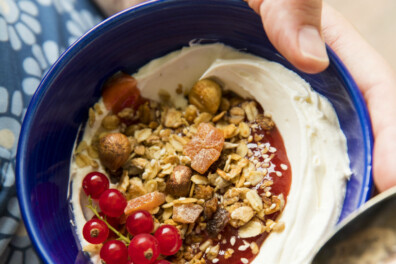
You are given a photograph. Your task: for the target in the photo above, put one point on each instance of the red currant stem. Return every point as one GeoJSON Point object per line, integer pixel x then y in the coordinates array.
{"type": "Point", "coordinates": [121, 236]}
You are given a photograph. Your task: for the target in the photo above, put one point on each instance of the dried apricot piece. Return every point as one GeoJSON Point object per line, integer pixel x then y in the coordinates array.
{"type": "Point", "coordinates": [202, 161]}
{"type": "Point", "coordinates": [205, 147]}
{"type": "Point", "coordinates": [145, 202]}
{"type": "Point", "coordinates": [186, 213]}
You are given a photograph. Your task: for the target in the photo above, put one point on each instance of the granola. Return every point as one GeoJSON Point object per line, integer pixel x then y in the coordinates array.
{"type": "Point", "coordinates": [203, 168]}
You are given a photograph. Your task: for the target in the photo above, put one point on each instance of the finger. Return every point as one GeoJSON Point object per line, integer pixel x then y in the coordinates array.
{"type": "Point", "coordinates": [294, 28]}
{"type": "Point", "coordinates": [377, 82]}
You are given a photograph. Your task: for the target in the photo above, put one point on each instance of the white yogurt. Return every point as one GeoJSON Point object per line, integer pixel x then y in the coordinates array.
{"type": "Point", "coordinates": [315, 144]}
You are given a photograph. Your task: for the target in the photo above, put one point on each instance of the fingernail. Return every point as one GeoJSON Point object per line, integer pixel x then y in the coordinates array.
{"type": "Point", "coordinates": [311, 44]}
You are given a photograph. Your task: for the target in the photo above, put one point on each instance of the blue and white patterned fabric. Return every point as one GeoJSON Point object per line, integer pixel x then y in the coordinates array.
{"type": "Point", "coordinates": [33, 33]}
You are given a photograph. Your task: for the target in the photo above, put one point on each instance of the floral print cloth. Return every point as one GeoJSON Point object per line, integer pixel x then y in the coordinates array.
{"type": "Point", "coordinates": [33, 33]}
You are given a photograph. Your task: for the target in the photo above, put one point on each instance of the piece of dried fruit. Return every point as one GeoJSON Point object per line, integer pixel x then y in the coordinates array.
{"type": "Point", "coordinates": [146, 202]}
{"type": "Point", "coordinates": [203, 192]}
{"type": "Point", "coordinates": [179, 181]}
{"type": "Point", "coordinates": [210, 207]}
{"type": "Point", "coordinates": [206, 96]}
{"type": "Point", "coordinates": [114, 150]}
{"type": "Point", "coordinates": [218, 222]}
{"type": "Point", "coordinates": [186, 213]}
{"type": "Point", "coordinates": [120, 92]}
{"type": "Point", "coordinates": [205, 147]}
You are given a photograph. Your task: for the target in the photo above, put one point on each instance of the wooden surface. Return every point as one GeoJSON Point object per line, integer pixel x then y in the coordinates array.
{"type": "Point", "coordinates": [375, 20]}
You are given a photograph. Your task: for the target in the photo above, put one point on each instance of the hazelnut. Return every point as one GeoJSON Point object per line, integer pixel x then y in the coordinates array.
{"type": "Point", "coordinates": [114, 150]}
{"type": "Point", "coordinates": [206, 96]}
{"type": "Point", "coordinates": [178, 184]}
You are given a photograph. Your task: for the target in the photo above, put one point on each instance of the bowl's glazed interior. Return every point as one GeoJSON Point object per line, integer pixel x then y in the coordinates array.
{"type": "Point", "coordinates": [126, 42]}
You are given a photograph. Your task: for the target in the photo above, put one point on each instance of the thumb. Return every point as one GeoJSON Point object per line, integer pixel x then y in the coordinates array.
{"type": "Point", "coordinates": [294, 28]}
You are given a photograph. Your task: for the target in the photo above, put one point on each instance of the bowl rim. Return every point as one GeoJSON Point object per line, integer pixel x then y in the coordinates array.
{"type": "Point", "coordinates": [88, 37]}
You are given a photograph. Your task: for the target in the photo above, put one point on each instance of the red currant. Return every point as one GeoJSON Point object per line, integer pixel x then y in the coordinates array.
{"type": "Point", "coordinates": [112, 203]}
{"type": "Point", "coordinates": [113, 221]}
{"type": "Point", "coordinates": [162, 261]}
{"type": "Point", "coordinates": [114, 252]}
{"type": "Point", "coordinates": [95, 231]}
{"type": "Point", "coordinates": [95, 183]}
{"type": "Point", "coordinates": [169, 239]}
{"type": "Point", "coordinates": [140, 222]}
{"type": "Point", "coordinates": [144, 249]}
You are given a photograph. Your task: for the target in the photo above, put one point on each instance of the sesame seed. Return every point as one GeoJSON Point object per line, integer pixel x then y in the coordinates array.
{"type": "Point", "coordinates": [224, 241]}
{"type": "Point", "coordinates": [244, 260]}
{"type": "Point", "coordinates": [267, 160]}
{"type": "Point", "coordinates": [278, 173]}
{"type": "Point", "coordinates": [215, 260]}
{"type": "Point", "coordinates": [283, 166]}
{"type": "Point", "coordinates": [232, 240]}
{"type": "Point", "coordinates": [243, 247]}
{"type": "Point", "coordinates": [272, 149]}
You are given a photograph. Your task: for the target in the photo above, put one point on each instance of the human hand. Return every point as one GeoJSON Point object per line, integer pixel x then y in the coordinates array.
{"type": "Point", "coordinates": [283, 21]}
{"type": "Point", "coordinates": [110, 7]}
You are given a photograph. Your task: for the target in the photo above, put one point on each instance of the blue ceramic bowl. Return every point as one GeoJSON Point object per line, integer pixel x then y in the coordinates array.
{"type": "Point", "coordinates": [125, 42]}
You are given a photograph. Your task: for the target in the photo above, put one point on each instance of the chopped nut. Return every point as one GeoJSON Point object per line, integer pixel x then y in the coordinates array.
{"type": "Point", "coordinates": [206, 96]}
{"type": "Point", "coordinates": [178, 183]}
{"type": "Point", "coordinates": [186, 213]}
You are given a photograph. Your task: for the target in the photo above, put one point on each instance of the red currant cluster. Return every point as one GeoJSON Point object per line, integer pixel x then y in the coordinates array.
{"type": "Point", "coordinates": [144, 248]}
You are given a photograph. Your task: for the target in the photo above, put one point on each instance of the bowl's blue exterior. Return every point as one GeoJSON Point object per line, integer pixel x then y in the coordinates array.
{"type": "Point", "coordinates": [126, 42]}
